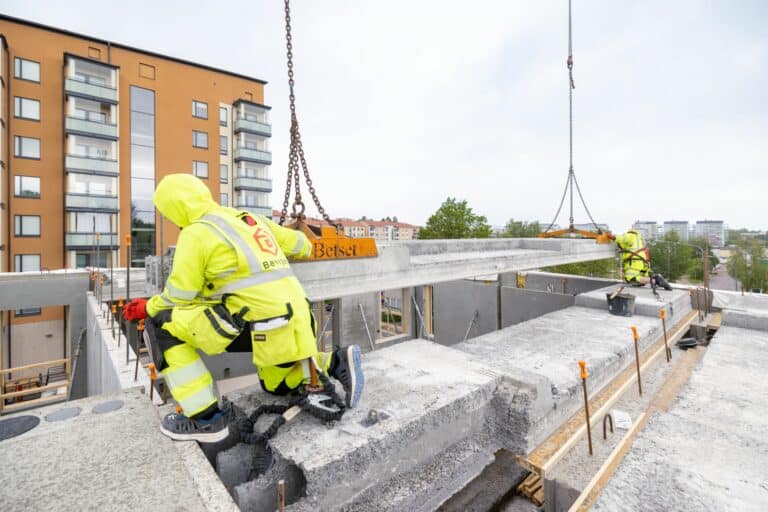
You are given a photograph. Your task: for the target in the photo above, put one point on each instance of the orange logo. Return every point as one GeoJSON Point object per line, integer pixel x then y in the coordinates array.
{"type": "Point", "coordinates": [266, 241]}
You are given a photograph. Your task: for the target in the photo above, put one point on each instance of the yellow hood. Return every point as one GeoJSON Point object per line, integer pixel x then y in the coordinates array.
{"type": "Point", "coordinates": [183, 199]}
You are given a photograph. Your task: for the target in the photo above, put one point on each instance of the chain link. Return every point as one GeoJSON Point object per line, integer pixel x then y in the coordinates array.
{"type": "Point", "coordinates": [296, 156]}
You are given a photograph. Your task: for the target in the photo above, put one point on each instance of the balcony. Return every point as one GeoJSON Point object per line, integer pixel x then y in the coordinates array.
{"type": "Point", "coordinates": [91, 202]}
{"type": "Point", "coordinates": [89, 240]}
{"type": "Point", "coordinates": [94, 128]}
{"type": "Point", "coordinates": [90, 90]}
{"type": "Point", "coordinates": [258, 210]}
{"type": "Point", "coordinates": [253, 155]}
{"type": "Point", "coordinates": [253, 184]}
{"type": "Point", "coordinates": [252, 126]}
{"type": "Point", "coordinates": [97, 165]}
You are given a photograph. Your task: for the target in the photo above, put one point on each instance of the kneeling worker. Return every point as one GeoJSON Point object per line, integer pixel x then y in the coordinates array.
{"type": "Point", "coordinates": [636, 260]}
{"type": "Point", "coordinates": [231, 289]}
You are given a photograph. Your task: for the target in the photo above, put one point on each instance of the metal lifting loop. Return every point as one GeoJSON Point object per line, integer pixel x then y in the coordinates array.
{"type": "Point", "coordinates": [296, 156]}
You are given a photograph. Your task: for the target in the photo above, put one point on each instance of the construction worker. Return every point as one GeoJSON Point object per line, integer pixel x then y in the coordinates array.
{"type": "Point", "coordinates": [231, 289]}
{"type": "Point", "coordinates": [636, 260]}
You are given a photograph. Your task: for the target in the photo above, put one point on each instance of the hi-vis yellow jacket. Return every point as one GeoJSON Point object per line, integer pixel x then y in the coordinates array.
{"type": "Point", "coordinates": [238, 260]}
{"type": "Point", "coordinates": [634, 254]}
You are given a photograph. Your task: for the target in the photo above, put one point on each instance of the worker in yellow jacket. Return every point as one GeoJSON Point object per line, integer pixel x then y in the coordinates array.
{"type": "Point", "coordinates": [636, 261]}
{"type": "Point", "coordinates": [231, 288]}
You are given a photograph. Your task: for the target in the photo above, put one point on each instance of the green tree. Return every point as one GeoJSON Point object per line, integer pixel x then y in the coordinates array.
{"type": "Point", "coordinates": [521, 229]}
{"type": "Point", "coordinates": [747, 264]}
{"type": "Point", "coordinates": [454, 219]}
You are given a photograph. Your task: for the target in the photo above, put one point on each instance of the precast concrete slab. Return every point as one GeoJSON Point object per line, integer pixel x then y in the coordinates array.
{"type": "Point", "coordinates": [115, 460]}
{"type": "Point", "coordinates": [646, 304]}
{"type": "Point", "coordinates": [402, 264]}
{"type": "Point", "coordinates": [451, 409]}
{"type": "Point", "coordinates": [709, 452]}
{"type": "Point", "coordinates": [746, 311]}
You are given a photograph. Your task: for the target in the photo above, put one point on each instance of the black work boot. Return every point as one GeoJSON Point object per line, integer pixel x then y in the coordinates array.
{"type": "Point", "coordinates": [660, 281]}
{"type": "Point", "coordinates": [346, 368]}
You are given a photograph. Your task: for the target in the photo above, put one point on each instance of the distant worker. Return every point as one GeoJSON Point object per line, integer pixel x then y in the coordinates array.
{"type": "Point", "coordinates": [636, 260]}
{"type": "Point", "coordinates": [231, 289]}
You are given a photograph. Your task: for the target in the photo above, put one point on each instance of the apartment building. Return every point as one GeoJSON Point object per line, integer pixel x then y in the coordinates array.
{"type": "Point", "coordinates": [648, 228]}
{"type": "Point", "coordinates": [679, 226]}
{"type": "Point", "coordinates": [712, 230]}
{"type": "Point", "coordinates": [89, 127]}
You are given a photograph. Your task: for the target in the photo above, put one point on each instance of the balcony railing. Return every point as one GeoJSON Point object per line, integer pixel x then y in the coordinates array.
{"type": "Point", "coordinates": [249, 125]}
{"type": "Point", "coordinates": [74, 124]}
{"type": "Point", "coordinates": [92, 90]}
{"type": "Point", "coordinates": [85, 163]}
{"type": "Point", "coordinates": [253, 183]}
{"type": "Point", "coordinates": [254, 155]}
{"type": "Point", "coordinates": [91, 202]}
{"type": "Point", "coordinates": [258, 210]}
{"type": "Point", "coordinates": [89, 240]}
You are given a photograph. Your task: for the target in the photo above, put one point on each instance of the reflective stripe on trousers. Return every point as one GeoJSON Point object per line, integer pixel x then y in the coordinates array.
{"type": "Point", "coordinates": [189, 381]}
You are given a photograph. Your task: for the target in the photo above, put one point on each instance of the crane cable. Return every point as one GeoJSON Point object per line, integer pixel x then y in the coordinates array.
{"type": "Point", "coordinates": [571, 181]}
{"type": "Point", "coordinates": [296, 156]}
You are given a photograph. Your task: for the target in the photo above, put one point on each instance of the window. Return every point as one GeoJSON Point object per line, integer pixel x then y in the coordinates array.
{"type": "Point", "coordinates": [223, 116]}
{"type": "Point", "coordinates": [91, 184]}
{"type": "Point", "coordinates": [200, 109]}
{"type": "Point", "coordinates": [26, 225]}
{"type": "Point", "coordinates": [26, 263]}
{"type": "Point", "coordinates": [26, 108]}
{"type": "Point", "coordinates": [223, 173]}
{"type": "Point", "coordinates": [88, 222]}
{"type": "Point", "coordinates": [26, 69]}
{"type": "Point", "coordinates": [26, 186]}
{"type": "Point", "coordinates": [200, 169]}
{"type": "Point", "coordinates": [200, 139]}
{"type": "Point", "coordinates": [26, 147]}
{"type": "Point", "coordinates": [223, 144]}
{"type": "Point", "coordinates": [224, 199]}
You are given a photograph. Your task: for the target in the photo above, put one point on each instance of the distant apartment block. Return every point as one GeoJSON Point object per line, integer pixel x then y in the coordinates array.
{"type": "Point", "coordinates": [378, 230]}
{"type": "Point", "coordinates": [649, 229]}
{"type": "Point", "coordinates": [678, 226]}
{"type": "Point", "coordinates": [712, 230]}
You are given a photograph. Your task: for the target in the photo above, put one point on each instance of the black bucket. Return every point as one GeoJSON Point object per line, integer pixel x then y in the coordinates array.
{"type": "Point", "coordinates": [621, 305]}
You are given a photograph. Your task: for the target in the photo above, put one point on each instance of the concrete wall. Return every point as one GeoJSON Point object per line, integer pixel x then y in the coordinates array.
{"type": "Point", "coordinates": [455, 304]}
{"type": "Point", "coordinates": [351, 326]}
{"type": "Point", "coordinates": [101, 373]}
{"type": "Point", "coordinates": [519, 305]}
{"type": "Point", "coordinates": [37, 342]}
{"type": "Point", "coordinates": [557, 283]}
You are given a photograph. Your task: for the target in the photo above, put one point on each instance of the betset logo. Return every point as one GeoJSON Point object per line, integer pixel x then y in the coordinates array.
{"type": "Point", "coordinates": [265, 241]}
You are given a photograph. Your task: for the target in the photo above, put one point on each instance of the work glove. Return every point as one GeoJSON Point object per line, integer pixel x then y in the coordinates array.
{"type": "Point", "coordinates": [135, 310]}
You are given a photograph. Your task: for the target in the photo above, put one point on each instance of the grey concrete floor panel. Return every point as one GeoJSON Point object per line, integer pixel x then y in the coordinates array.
{"type": "Point", "coordinates": [710, 452]}
{"type": "Point", "coordinates": [677, 301]}
{"type": "Point", "coordinates": [117, 460]}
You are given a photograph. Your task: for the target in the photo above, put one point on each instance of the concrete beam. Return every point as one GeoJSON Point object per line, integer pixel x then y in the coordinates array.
{"type": "Point", "coordinates": [40, 289]}
{"type": "Point", "coordinates": [419, 262]}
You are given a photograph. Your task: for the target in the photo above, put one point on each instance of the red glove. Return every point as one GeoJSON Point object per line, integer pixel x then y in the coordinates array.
{"type": "Point", "coordinates": [135, 310]}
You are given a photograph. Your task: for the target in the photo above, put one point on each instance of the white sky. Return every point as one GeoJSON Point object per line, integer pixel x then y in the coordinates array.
{"type": "Point", "coordinates": [403, 103]}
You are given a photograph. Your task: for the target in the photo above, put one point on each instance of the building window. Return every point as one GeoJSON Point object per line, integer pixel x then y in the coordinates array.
{"type": "Point", "coordinates": [26, 147]}
{"type": "Point", "coordinates": [224, 199]}
{"type": "Point", "coordinates": [200, 109]}
{"type": "Point", "coordinates": [223, 116]}
{"type": "Point", "coordinates": [26, 225]}
{"type": "Point", "coordinates": [142, 174]}
{"type": "Point", "coordinates": [26, 263]}
{"type": "Point", "coordinates": [200, 169]}
{"type": "Point", "coordinates": [223, 173]}
{"type": "Point", "coordinates": [26, 108]}
{"type": "Point", "coordinates": [26, 186]}
{"type": "Point", "coordinates": [223, 144]}
{"type": "Point", "coordinates": [200, 139]}
{"type": "Point", "coordinates": [26, 69]}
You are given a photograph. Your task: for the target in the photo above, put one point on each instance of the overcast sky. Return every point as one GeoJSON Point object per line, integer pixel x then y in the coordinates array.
{"type": "Point", "coordinates": [403, 103]}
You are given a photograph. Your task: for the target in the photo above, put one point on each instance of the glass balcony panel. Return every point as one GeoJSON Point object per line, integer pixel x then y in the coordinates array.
{"type": "Point", "coordinates": [90, 88]}
{"type": "Point", "coordinates": [252, 125]}
{"type": "Point", "coordinates": [258, 210]}
{"type": "Point", "coordinates": [91, 127]}
{"type": "Point", "coordinates": [258, 183]}
{"type": "Point", "coordinates": [91, 164]}
{"type": "Point", "coordinates": [92, 202]}
{"type": "Point", "coordinates": [242, 153]}
{"type": "Point", "coordinates": [89, 239]}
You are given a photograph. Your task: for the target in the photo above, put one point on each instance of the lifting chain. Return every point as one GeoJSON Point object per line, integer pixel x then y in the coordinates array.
{"type": "Point", "coordinates": [296, 156]}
